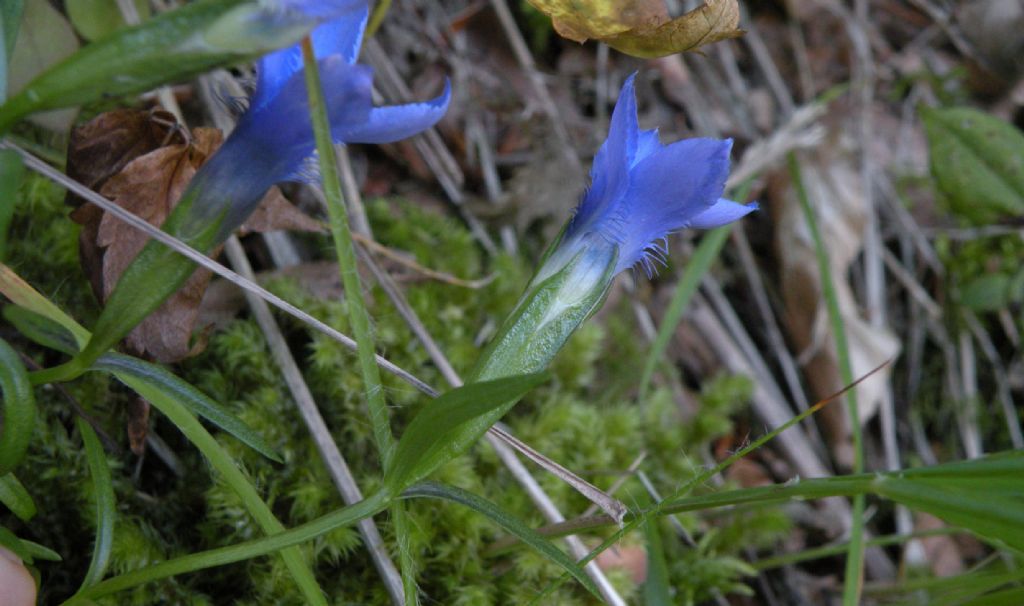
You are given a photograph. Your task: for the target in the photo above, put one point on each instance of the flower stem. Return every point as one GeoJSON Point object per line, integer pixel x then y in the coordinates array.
{"type": "Point", "coordinates": [356, 307]}
{"type": "Point", "coordinates": [345, 250]}
{"type": "Point", "coordinates": [855, 551]}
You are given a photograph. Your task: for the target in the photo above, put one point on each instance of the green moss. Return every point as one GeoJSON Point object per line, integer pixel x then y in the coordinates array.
{"type": "Point", "coordinates": [585, 418]}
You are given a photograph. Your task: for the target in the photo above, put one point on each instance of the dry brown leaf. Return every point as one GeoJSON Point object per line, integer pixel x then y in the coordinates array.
{"type": "Point", "coordinates": [150, 187]}
{"type": "Point", "coordinates": [834, 190]}
{"type": "Point", "coordinates": [275, 212]}
{"type": "Point", "coordinates": [643, 28]}
{"type": "Point", "coordinates": [126, 156]}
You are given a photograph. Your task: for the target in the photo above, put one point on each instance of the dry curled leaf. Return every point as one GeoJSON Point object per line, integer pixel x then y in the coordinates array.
{"type": "Point", "coordinates": [143, 162]}
{"type": "Point", "coordinates": [643, 28]}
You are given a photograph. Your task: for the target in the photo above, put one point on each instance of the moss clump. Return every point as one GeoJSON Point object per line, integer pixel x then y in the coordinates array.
{"type": "Point", "coordinates": [584, 418]}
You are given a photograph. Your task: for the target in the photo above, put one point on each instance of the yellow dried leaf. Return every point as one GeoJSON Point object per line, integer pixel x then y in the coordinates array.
{"type": "Point", "coordinates": [642, 28]}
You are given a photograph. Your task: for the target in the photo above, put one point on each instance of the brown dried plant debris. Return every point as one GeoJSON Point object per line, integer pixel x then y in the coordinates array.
{"type": "Point", "coordinates": [643, 28]}
{"type": "Point", "coordinates": [143, 161]}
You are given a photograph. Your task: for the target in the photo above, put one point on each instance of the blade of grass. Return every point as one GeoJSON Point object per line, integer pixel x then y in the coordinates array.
{"type": "Point", "coordinates": [817, 553]}
{"type": "Point", "coordinates": [191, 398]}
{"type": "Point", "coordinates": [704, 477]}
{"type": "Point", "coordinates": [12, 170]}
{"type": "Point", "coordinates": [106, 508]}
{"type": "Point", "coordinates": [14, 496]}
{"type": "Point", "coordinates": [19, 409]}
{"type": "Point", "coordinates": [346, 516]}
{"type": "Point", "coordinates": [656, 585]}
{"type": "Point", "coordinates": [508, 522]}
{"type": "Point", "coordinates": [359, 318]}
{"type": "Point", "coordinates": [855, 555]}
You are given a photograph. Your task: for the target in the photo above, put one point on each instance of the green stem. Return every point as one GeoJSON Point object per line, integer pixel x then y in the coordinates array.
{"type": "Point", "coordinates": [345, 250]}
{"type": "Point", "coordinates": [286, 540]}
{"type": "Point", "coordinates": [356, 307]}
{"type": "Point", "coordinates": [855, 552]}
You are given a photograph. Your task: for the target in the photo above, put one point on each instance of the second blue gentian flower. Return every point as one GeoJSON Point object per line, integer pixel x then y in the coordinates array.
{"type": "Point", "coordinates": [272, 142]}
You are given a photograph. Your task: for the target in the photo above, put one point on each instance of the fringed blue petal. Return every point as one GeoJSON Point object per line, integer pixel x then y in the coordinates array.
{"type": "Point", "coordinates": [667, 190]}
{"type": "Point", "coordinates": [392, 123]}
{"type": "Point", "coordinates": [342, 36]}
{"type": "Point", "coordinates": [609, 174]}
{"type": "Point", "coordinates": [722, 213]}
{"type": "Point", "coordinates": [642, 191]}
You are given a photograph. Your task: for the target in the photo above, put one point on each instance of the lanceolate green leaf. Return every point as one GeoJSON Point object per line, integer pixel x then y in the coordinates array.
{"type": "Point", "coordinates": [429, 440]}
{"type": "Point", "coordinates": [10, 19]}
{"type": "Point", "coordinates": [106, 508]}
{"type": "Point", "coordinates": [19, 418]}
{"type": "Point", "coordinates": [40, 329]}
{"type": "Point", "coordinates": [977, 161]}
{"type": "Point", "coordinates": [11, 172]}
{"type": "Point", "coordinates": [188, 396]}
{"type": "Point", "coordinates": [187, 423]}
{"type": "Point", "coordinates": [26, 550]}
{"type": "Point", "coordinates": [511, 524]}
{"type": "Point", "coordinates": [14, 496]}
{"type": "Point", "coordinates": [657, 591]}
{"type": "Point", "coordinates": [9, 540]}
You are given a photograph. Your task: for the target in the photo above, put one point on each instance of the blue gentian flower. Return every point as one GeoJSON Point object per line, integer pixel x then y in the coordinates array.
{"type": "Point", "coordinates": [641, 191]}
{"type": "Point", "coordinates": [273, 140]}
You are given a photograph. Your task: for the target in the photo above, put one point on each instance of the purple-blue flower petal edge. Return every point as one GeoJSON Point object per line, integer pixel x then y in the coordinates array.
{"type": "Point", "coordinates": [341, 36]}
{"type": "Point", "coordinates": [641, 190]}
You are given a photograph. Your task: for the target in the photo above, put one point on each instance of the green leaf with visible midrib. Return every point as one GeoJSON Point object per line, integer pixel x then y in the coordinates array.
{"type": "Point", "coordinates": [427, 442]}
{"type": "Point", "coordinates": [19, 406]}
{"type": "Point", "coordinates": [508, 522]}
{"type": "Point", "coordinates": [977, 161]}
{"type": "Point", "coordinates": [106, 507]}
{"type": "Point", "coordinates": [194, 400]}
{"type": "Point", "coordinates": [48, 333]}
{"type": "Point", "coordinates": [14, 496]}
